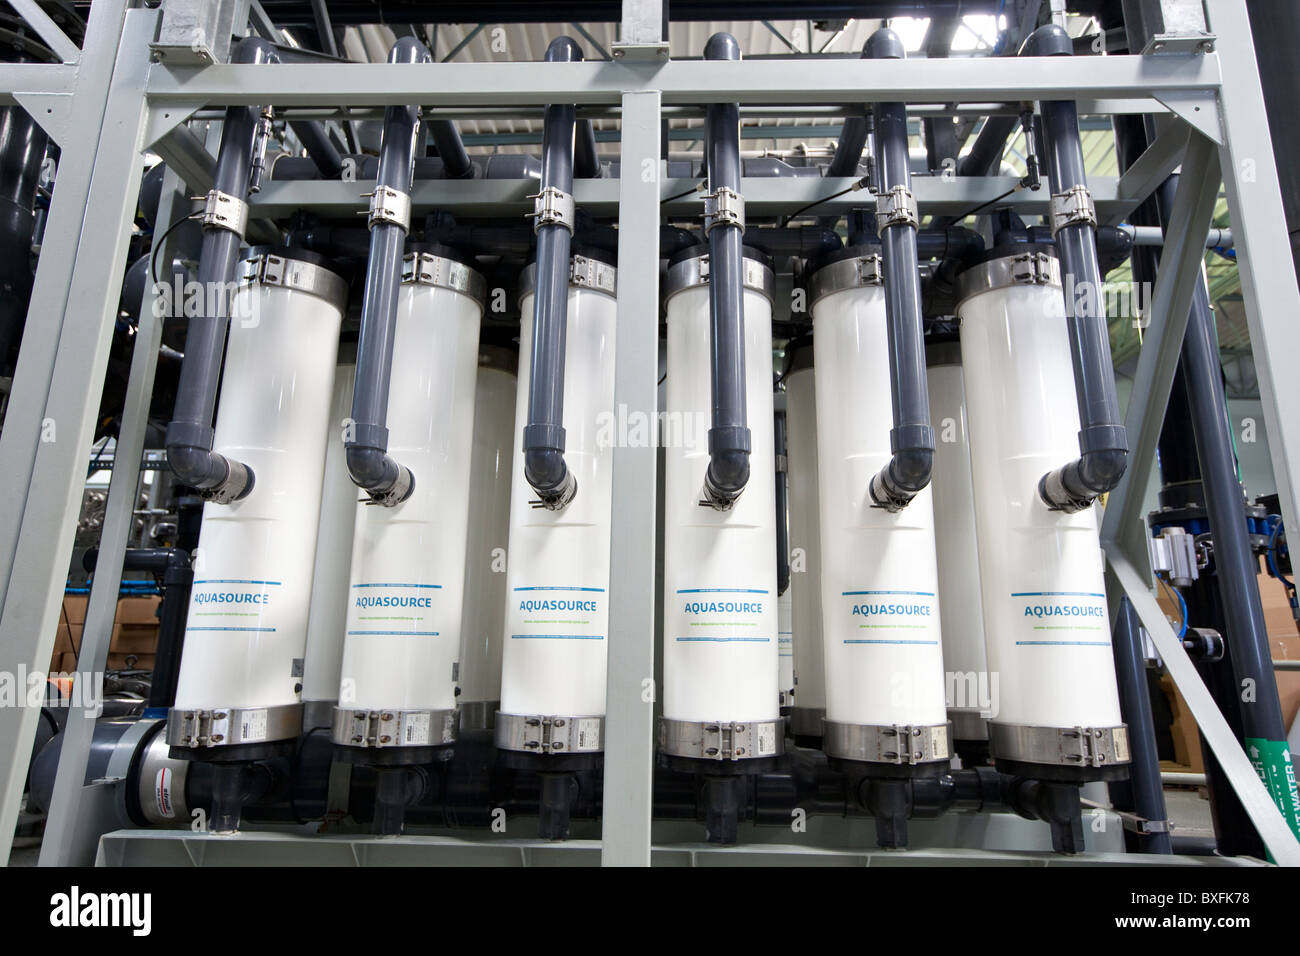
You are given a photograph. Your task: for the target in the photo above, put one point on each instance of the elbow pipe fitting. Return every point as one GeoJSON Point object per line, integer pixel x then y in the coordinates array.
{"type": "Point", "coordinates": [456, 163]}
{"type": "Point", "coordinates": [729, 437]}
{"type": "Point", "coordinates": [217, 478]}
{"type": "Point", "coordinates": [386, 481]}
{"type": "Point", "coordinates": [545, 469]}
{"type": "Point", "coordinates": [911, 439]}
{"type": "Point", "coordinates": [1103, 441]}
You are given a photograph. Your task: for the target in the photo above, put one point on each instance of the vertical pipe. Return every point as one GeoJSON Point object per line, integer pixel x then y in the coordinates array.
{"type": "Point", "coordinates": [586, 163]}
{"type": "Point", "coordinates": [729, 437]}
{"type": "Point", "coordinates": [1135, 705]}
{"type": "Point", "coordinates": [782, 506]}
{"type": "Point", "coordinates": [911, 439]}
{"type": "Point", "coordinates": [190, 434]}
{"type": "Point", "coordinates": [388, 482]}
{"type": "Point", "coordinates": [544, 464]}
{"type": "Point", "coordinates": [1103, 442]}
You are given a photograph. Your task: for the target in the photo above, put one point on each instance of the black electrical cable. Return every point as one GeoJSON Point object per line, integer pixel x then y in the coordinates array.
{"type": "Point", "coordinates": [861, 183]}
{"type": "Point", "coordinates": [162, 240]}
{"type": "Point", "coordinates": [995, 199]}
{"type": "Point", "coordinates": [694, 189]}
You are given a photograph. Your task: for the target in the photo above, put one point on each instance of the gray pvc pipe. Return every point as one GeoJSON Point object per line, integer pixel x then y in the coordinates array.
{"type": "Point", "coordinates": [911, 440]}
{"type": "Point", "coordinates": [316, 141]}
{"type": "Point", "coordinates": [544, 466]}
{"type": "Point", "coordinates": [586, 164]}
{"type": "Point", "coordinates": [729, 437]}
{"type": "Point", "coordinates": [372, 469]}
{"type": "Point", "coordinates": [1103, 441]}
{"type": "Point", "coordinates": [456, 163]}
{"type": "Point", "coordinates": [190, 433]}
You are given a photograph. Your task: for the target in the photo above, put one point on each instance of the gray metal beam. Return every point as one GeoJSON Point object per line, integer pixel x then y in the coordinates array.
{"type": "Point", "coordinates": [1214, 729]}
{"type": "Point", "coordinates": [1268, 279]}
{"type": "Point", "coordinates": [1123, 524]}
{"type": "Point", "coordinates": [997, 79]}
{"type": "Point", "coordinates": [60, 392]}
{"type": "Point", "coordinates": [1156, 164]}
{"type": "Point", "coordinates": [763, 196]}
{"type": "Point", "coordinates": [66, 842]}
{"type": "Point", "coordinates": [629, 716]}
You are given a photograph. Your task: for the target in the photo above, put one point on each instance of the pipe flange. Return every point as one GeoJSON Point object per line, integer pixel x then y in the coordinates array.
{"type": "Point", "coordinates": [896, 206]}
{"type": "Point", "coordinates": [295, 274]}
{"type": "Point", "coordinates": [1060, 746]}
{"type": "Point", "coordinates": [756, 276]}
{"type": "Point", "coordinates": [160, 783]}
{"type": "Point", "coordinates": [853, 273]}
{"type": "Point", "coordinates": [552, 207]}
{"type": "Point", "coordinates": [379, 729]}
{"type": "Point", "coordinates": [224, 211]}
{"type": "Point", "coordinates": [195, 728]}
{"type": "Point", "coordinates": [723, 207]}
{"type": "Point", "coordinates": [427, 268]}
{"type": "Point", "coordinates": [899, 744]}
{"type": "Point", "coordinates": [1022, 268]}
{"type": "Point", "coordinates": [549, 734]}
{"type": "Point", "coordinates": [1073, 207]}
{"type": "Point", "coordinates": [389, 205]}
{"type": "Point", "coordinates": [722, 740]}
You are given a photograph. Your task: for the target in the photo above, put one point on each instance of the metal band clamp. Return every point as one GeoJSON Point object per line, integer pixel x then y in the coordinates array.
{"type": "Point", "coordinates": [1034, 268]}
{"type": "Point", "coordinates": [723, 207]}
{"type": "Point", "coordinates": [1073, 207]}
{"type": "Point", "coordinates": [552, 207]}
{"type": "Point", "coordinates": [549, 734]}
{"type": "Point", "coordinates": [224, 211]}
{"type": "Point", "coordinates": [394, 728]}
{"type": "Point", "coordinates": [896, 206]}
{"type": "Point", "coordinates": [389, 205]}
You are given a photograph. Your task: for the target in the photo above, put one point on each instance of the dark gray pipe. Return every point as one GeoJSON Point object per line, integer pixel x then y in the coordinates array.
{"type": "Point", "coordinates": [586, 164]}
{"type": "Point", "coordinates": [848, 151]}
{"type": "Point", "coordinates": [316, 141]}
{"type": "Point", "coordinates": [373, 470]}
{"type": "Point", "coordinates": [782, 505]}
{"type": "Point", "coordinates": [1103, 442]}
{"type": "Point", "coordinates": [544, 465]}
{"type": "Point", "coordinates": [190, 434]}
{"type": "Point", "coordinates": [729, 439]}
{"type": "Point", "coordinates": [456, 163]}
{"type": "Point", "coordinates": [1237, 566]}
{"type": "Point", "coordinates": [1144, 786]}
{"type": "Point", "coordinates": [911, 440]}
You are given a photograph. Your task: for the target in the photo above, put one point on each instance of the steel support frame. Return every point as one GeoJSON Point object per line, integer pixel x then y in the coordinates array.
{"type": "Point", "coordinates": [1216, 93]}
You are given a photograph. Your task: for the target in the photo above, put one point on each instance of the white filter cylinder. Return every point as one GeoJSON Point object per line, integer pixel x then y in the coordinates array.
{"type": "Point", "coordinates": [408, 561]}
{"type": "Point", "coordinates": [242, 666]}
{"type": "Point", "coordinates": [880, 608]}
{"type": "Point", "coordinates": [489, 530]}
{"type": "Point", "coordinates": [805, 550]}
{"type": "Point", "coordinates": [968, 685]}
{"type": "Point", "coordinates": [327, 619]}
{"type": "Point", "coordinates": [721, 656]}
{"type": "Point", "coordinates": [557, 587]}
{"type": "Point", "coordinates": [785, 647]}
{"type": "Point", "coordinates": [1045, 617]}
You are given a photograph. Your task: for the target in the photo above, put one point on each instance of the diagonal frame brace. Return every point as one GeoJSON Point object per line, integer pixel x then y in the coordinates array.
{"type": "Point", "coordinates": [1259, 806]}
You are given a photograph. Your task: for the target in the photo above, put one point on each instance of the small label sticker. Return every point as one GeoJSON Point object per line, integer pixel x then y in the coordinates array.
{"type": "Point", "coordinates": [941, 743]}
{"type": "Point", "coordinates": [1121, 744]}
{"type": "Point", "coordinates": [162, 791]}
{"type": "Point", "coordinates": [766, 739]}
{"type": "Point", "coordinates": [296, 669]}
{"type": "Point", "coordinates": [588, 734]}
{"type": "Point", "coordinates": [253, 725]}
{"type": "Point", "coordinates": [415, 729]}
